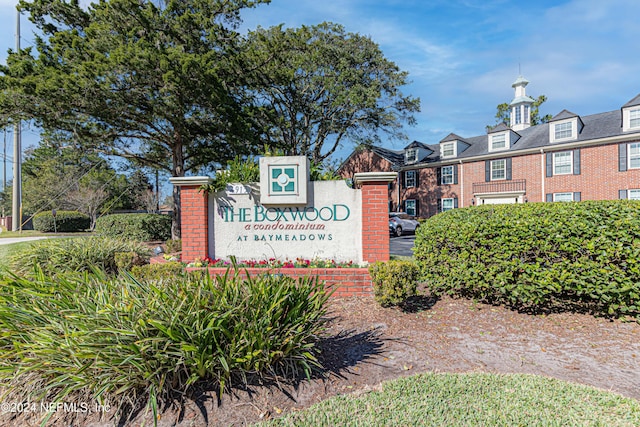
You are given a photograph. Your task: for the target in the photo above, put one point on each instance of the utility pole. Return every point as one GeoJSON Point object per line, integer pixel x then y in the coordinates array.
{"type": "Point", "coordinates": [16, 206]}
{"type": "Point", "coordinates": [4, 163]}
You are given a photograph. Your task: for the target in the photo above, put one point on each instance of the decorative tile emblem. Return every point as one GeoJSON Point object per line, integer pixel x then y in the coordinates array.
{"type": "Point", "coordinates": [283, 180]}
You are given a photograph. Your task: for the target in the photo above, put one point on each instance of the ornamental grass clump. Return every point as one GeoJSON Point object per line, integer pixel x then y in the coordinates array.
{"type": "Point", "coordinates": [77, 254]}
{"type": "Point", "coordinates": [116, 341]}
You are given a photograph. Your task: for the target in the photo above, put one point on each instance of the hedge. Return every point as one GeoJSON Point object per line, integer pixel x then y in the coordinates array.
{"type": "Point", "coordinates": [140, 227]}
{"type": "Point", "coordinates": [65, 222]}
{"type": "Point", "coordinates": [581, 256]}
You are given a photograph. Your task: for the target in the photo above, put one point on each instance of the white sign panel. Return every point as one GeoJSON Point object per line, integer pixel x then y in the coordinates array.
{"type": "Point", "coordinates": [328, 226]}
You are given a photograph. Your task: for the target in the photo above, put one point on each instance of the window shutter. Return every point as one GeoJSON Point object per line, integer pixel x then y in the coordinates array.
{"type": "Point", "coordinates": [417, 208]}
{"type": "Point", "coordinates": [487, 170]}
{"type": "Point", "coordinates": [622, 194]}
{"type": "Point", "coordinates": [455, 174]}
{"type": "Point", "coordinates": [577, 196]}
{"type": "Point", "coordinates": [455, 203]}
{"type": "Point", "coordinates": [549, 164]}
{"type": "Point", "coordinates": [439, 175]}
{"type": "Point", "coordinates": [439, 206]}
{"type": "Point", "coordinates": [508, 168]}
{"type": "Point", "coordinates": [417, 180]}
{"type": "Point", "coordinates": [622, 157]}
{"type": "Point", "coordinates": [576, 161]}
{"type": "Point", "coordinates": [404, 179]}
{"type": "Point", "coordinates": [549, 197]}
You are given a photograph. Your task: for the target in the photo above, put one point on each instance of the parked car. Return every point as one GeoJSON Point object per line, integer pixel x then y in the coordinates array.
{"type": "Point", "coordinates": [400, 222]}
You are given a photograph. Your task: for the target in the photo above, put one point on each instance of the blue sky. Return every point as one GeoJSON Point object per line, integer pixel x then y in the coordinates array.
{"type": "Point", "coordinates": [463, 55]}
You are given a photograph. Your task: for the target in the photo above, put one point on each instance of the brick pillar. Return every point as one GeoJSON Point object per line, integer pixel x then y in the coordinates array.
{"type": "Point", "coordinates": [375, 214]}
{"type": "Point", "coordinates": [194, 226]}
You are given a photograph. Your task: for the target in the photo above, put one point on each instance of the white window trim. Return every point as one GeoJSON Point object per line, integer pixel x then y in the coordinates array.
{"type": "Point", "coordinates": [406, 179]}
{"type": "Point", "coordinates": [445, 145]}
{"type": "Point", "coordinates": [411, 155]}
{"type": "Point", "coordinates": [442, 175]}
{"type": "Point", "coordinates": [556, 196]}
{"type": "Point", "coordinates": [493, 162]}
{"type": "Point", "coordinates": [448, 200]}
{"type": "Point", "coordinates": [629, 155]}
{"type": "Point", "coordinates": [574, 130]}
{"type": "Point", "coordinates": [505, 141]}
{"type": "Point", "coordinates": [636, 192]}
{"type": "Point", "coordinates": [406, 208]}
{"type": "Point", "coordinates": [570, 163]}
{"type": "Point", "coordinates": [626, 119]}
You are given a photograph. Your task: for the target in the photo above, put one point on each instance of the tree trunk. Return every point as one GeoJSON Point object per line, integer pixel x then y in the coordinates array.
{"type": "Point", "coordinates": [178, 171]}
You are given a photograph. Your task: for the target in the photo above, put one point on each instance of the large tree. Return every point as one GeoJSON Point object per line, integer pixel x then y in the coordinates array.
{"type": "Point", "coordinates": [156, 82]}
{"type": "Point", "coordinates": [321, 86]}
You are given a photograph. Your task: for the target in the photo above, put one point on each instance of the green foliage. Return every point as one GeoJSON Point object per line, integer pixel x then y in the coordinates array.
{"type": "Point", "coordinates": [564, 256]}
{"type": "Point", "coordinates": [64, 222]}
{"type": "Point", "coordinates": [394, 281]}
{"type": "Point", "coordinates": [321, 86]}
{"type": "Point", "coordinates": [77, 254]}
{"type": "Point", "coordinates": [117, 340]}
{"type": "Point", "coordinates": [127, 260]}
{"type": "Point", "coordinates": [238, 170]}
{"type": "Point", "coordinates": [157, 272]}
{"type": "Point", "coordinates": [140, 227]}
{"type": "Point", "coordinates": [173, 246]}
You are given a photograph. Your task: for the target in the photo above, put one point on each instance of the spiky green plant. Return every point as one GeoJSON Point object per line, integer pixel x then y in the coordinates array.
{"type": "Point", "coordinates": [116, 340]}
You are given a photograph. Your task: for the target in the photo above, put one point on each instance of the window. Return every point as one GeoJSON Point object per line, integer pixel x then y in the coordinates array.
{"type": "Point", "coordinates": [526, 114]}
{"type": "Point", "coordinates": [562, 163]}
{"type": "Point", "coordinates": [634, 155]}
{"type": "Point", "coordinates": [634, 194]}
{"type": "Point", "coordinates": [411, 156]}
{"type": "Point", "coordinates": [634, 118]}
{"type": "Point", "coordinates": [563, 130]}
{"type": "Point", "coordinates": [498, 142]}
{"type": "Point", "coordinates": [518, 115]}
{"type": "Point", "coordinates": [447, 174]}
{"type": "Point", "coordinates": [563, 197]}
{"type": "Point", "coordinates": [447, 205]}
{"type": "Point", "coordinates": [410, 207]}
{"type": "Point", "coordinates": [410, 179]}
{"type": "Point", "coordinates": [498, 169]}
{"type": "Point", "coordinates": [448, 149]}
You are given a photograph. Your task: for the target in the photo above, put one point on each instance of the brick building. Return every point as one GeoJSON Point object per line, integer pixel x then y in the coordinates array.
{"type": "Point", "coordinates": [571, 158]}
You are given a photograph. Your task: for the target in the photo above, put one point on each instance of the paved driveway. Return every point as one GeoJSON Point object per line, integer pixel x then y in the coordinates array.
{"type": "Point", "coordinates": [10, 240]}
{"type": "Point", "coordinates": [402, 245]}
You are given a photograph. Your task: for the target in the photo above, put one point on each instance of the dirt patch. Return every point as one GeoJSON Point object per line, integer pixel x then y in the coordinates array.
{"type": "Point", "coordinates": [367, 344]}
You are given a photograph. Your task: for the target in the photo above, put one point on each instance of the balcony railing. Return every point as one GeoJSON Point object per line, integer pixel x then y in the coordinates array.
{"type": "Point", "coordinates": [512, 186]}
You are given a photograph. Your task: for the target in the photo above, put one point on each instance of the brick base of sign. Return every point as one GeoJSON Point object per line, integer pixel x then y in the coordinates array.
{"type": "Point", "coordinates": [345, 282]}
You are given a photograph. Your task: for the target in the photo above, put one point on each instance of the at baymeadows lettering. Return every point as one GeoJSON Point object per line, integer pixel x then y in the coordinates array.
{"type": "Point", "coordinates": [335, 212]}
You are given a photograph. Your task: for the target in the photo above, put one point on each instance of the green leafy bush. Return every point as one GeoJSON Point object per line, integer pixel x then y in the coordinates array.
{"type": "Point", "coordinates": [173, 246]}
{"type": "Point", "coordinates": [115, 340]}
{"type": "Point", "coordinates": [127, 260]}
{"type": "Point", "coordinates": [564, 256]}
{"type": "Point", "coordinates": [394, 281]}
{"type": "Point", "coordinates": [64, 222]}
{"type": "Point", "coordinates": [77, 254]}
{"type": "Point", "coordinates": [156, 272]}
{"type": "Point", "coordinates": [140, 227]}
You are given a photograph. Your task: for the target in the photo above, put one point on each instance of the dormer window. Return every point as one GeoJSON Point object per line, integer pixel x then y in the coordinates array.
{"type": "Point", "coordinates": [631, 119]}
{"type": "Point", "coordinates": [411, 155]}
{"type": "Point", "coordinates": [498, 142]}
{"type": "Point", "coordinates": [448, 149]}
{"type": "Point", "coordinates": [634, 119]}
{"type": "Point", "coordinates": [563, 130]}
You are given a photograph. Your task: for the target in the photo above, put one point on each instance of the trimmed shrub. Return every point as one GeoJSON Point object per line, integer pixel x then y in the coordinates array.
{"type": "Point", "coordinates": [123, 339]}
{"type": "Point", "coordinates": [64, 222]}
{"type": "Point", "coordinates": [77, 254]}
{"type": "Point", "coordinates": [157, 272]}
{"type": "Point", "coordinates": [127, 260]}
{"type": "Point", "coordinates": [394, 281]}
{"type": "Point", "coordinates": [140, 227]}
{"type": "Point", "coordinates": [563, 256]}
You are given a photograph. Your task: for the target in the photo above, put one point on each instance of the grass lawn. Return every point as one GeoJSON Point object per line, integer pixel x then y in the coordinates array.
{"type": "Point", "coordinates": [476, 399]}
{"type": "Point", "coordinates": [7, 250]}
{"type": "Point", "coordinates": [34, 233]}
